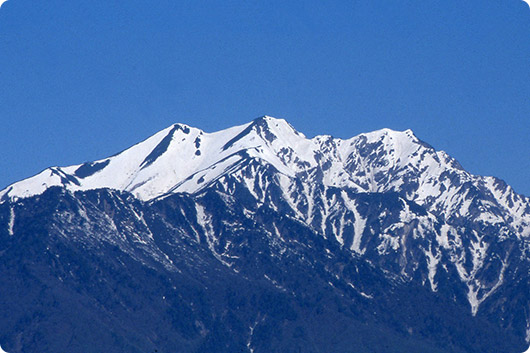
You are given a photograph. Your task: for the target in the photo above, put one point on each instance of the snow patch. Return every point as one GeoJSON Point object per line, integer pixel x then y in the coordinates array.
{"type": "Point", "coordinates": [258, 320]}
{"type": "Point", "coordinates": [475, 287]}
{"type": "Point", "coordinates": [359, 225]}
{"type": "Point", "coordinates": [432, 264]}
{"type": "Point", "coordinates": [367, 296]}
{"type": "Point", "coordinates": [205, 223]}
{"type": "Point", "coordinates": [11, 224]}
{"type": "Point", "coordinates": [443, 238]}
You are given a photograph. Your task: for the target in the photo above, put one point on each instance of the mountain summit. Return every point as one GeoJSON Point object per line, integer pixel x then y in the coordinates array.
{"type": "Point", "coordinates": [257, 238]}
{"type": "Point", "coordinates": [169, 160]}
{"type": "Point", "coordinates": [181, 158]}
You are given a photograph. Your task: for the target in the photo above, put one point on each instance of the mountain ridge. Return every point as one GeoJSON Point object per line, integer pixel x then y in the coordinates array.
{"type": "Point", "coordinates": [386, 200]}
{"type": "Point", "coordinates": [239, 132]}
{"type": "Point", "coordinates": [188, 159]}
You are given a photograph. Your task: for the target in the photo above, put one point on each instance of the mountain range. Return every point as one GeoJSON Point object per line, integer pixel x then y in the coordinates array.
{"type": "Point", "coordinates": [259, 239]}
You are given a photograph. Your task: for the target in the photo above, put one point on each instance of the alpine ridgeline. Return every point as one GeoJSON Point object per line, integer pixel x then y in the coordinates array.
{"type": "Point", "coordinates": [258, 239]}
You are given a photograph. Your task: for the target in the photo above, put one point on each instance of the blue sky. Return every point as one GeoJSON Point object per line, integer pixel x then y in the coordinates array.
{"type": "Point", "coordinates": [83, 80]}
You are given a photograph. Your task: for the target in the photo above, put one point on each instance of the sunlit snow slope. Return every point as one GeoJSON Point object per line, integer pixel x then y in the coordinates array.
{"type": "Point", "coordinates": [185, 159]}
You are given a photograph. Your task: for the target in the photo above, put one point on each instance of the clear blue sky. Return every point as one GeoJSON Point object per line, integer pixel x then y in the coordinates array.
{"type": "Point", "coordinates": [82, 80]}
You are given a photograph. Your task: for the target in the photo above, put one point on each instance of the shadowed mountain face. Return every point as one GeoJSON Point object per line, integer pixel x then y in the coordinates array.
{"type": "Point", "coordinates": [257, 239]}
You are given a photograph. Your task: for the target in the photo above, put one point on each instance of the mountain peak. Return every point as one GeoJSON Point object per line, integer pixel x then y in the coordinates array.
{"type": "Point", "coordinates": [182, 158]}
{"type": "Point", "coordinates": [274, 124]}
{"type": "Point", "coordinates": [392, 134]}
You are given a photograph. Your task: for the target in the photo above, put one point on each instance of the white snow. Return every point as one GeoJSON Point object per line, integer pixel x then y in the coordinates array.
{"type": "Point", "coordinates": [432, 264]}
{"type": "Point", "coordinates": [475, 287]}
{"type": "Point", "coordinates": [443, 238]}
{"type": "Point", "coordinates": [360, 292]}
{"type": "Point", "coordinates": [11, 223]}
{"type": "Point", "coordinates": [204, 221]}
{"type": "Point", "coordinates": [184, 167]}
{"type": "Point", "coordinates": [359, 225]}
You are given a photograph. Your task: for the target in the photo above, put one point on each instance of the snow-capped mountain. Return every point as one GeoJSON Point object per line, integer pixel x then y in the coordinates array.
{"type": "Point", "coordinates": [263, 199]}
{"type": "Point", "coordinates": [185, 159]}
